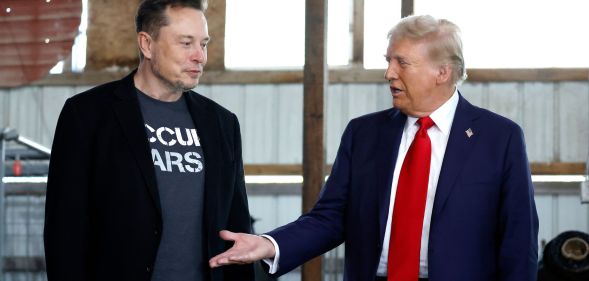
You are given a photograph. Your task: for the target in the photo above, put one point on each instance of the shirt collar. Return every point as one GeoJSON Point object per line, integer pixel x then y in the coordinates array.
{"type": "Point", "coordinates": [443, 116]}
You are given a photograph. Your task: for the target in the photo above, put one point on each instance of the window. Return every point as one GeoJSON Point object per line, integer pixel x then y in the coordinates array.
{"type": "Point", "coordinates": [379, 17]}
{"type": "Point", "coordinates": [271, 34]}
{"type": "Point", "coordinates": [518, 34]}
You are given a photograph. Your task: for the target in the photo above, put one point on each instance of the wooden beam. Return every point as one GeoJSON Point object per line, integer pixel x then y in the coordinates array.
{"type": "Point", "coordinates": [558, 168]}
{"type": "Point", "coordinates": [522, 74]}
{"type": "Point", "coordinates": [216, 14]}
{"type": "Point", "coordinates": [273, 169]}
{"type": "Point", "coordinates": [538, 168]}
{"type": "Point", "coordinates": [315, 80]}
{"type": "Point", "coordinates": [29, 264]}
{"type": "Point", "coordinates": [358, 34]}
{"type": "Point", "coordinates": [347, 75]}
{"type": "Point", "coordinates": [407, 8]}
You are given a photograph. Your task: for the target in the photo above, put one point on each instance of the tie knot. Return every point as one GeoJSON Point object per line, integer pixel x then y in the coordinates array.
{"type": "Point", "coordinates": [425, 123]}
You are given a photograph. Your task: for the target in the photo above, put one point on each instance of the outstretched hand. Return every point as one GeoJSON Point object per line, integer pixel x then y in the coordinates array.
{"type": "Point", "coordinates": [246, 249]}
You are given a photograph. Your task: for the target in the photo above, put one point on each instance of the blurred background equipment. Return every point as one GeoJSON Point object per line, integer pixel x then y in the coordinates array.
{"type": "Point", "coordinates": [566, 258]}
{"type": "Point", "coordinates": [23, 170]}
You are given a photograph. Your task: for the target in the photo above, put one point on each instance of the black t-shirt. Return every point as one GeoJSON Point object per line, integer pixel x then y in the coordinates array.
{"type": "Point", "coordinates": [179, 168]}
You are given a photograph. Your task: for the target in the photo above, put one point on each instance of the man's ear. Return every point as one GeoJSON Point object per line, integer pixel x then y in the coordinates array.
{"type": "Point", "coordinates": [444, 74]}
{"type": "Point", "coordinates": [145, 41]}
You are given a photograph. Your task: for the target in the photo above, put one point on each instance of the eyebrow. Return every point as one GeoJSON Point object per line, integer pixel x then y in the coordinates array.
{"type": "Point", "coordinates": [206, 39]}
{"type": "Point", "coordinates": [396, 57]}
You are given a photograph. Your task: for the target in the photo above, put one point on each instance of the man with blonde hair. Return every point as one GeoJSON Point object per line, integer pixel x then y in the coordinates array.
{"type": "Point", "coordinates": [433, 188]}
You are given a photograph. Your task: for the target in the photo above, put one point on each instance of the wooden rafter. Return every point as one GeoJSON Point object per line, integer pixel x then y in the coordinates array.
{"type": "Point", "coordinates": [538, 168]}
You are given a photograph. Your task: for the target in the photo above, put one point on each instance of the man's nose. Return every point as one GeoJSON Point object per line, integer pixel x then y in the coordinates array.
{"type": "Point", "coordinates": [391, 72]}
{"type": "Point", "coordinates": [199, 54]}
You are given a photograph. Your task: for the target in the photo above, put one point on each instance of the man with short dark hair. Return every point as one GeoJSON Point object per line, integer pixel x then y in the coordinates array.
{"type": "Point", "coordinates": [144, 172]}
{"type": "Point", "coordinates": [433, 188]}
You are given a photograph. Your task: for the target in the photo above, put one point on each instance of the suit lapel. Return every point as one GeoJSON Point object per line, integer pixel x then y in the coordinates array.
{"type": "Point", "coordinates": [128, 113]}
{"type": "Point", "coordinates": [457, 152]}
{"type": "Point", "coordinates": [214, 147]}
{"type": "Point", "coordinates": [388, 150]}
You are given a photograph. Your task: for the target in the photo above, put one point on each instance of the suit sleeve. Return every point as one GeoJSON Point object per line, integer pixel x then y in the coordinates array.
{"type": "Point", "coordinates": [239, 216]}
{"type": "Point", "coordinates": [322, 229]}
{"type": "Point", "coordinates": [518, 243]}
{"type": "Point", "coordinates": [66, 216]}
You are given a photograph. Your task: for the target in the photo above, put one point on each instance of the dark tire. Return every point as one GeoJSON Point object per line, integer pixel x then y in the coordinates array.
{"type": "Point", "coordinates": [572, 261]}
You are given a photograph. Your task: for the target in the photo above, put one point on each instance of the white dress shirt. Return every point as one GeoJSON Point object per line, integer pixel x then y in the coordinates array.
{"type": "Point", "coordinates": [438, 134]}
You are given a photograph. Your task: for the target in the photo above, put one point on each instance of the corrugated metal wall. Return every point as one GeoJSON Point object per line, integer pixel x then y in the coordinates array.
{"type": "Point", "coordinates": [554, 116]}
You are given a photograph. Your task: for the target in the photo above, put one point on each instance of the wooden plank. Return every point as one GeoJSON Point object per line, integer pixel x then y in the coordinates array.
{"type": "Point", "coordinates": [315, 82]}
{"type": "Point", "coordinates": [538, 168]}
{"type": "Point", "coordinates": [216, 20]}
{"type": "Point", "coordinates": [345, 75]}
{"type": "Point", "coordinates": [558, 168]}
{"type": "Point", "coordinates": [271, 169]}
{"type": "Point", "coordinates": [252, 77]}
{"type": "Point", "coordinates": [30, 264]}
{"type": "Point", "coordinates": [358, 33]}
{"type": "Point", "coordinates": [407, 8]}
{"type": "Point", "coordinates": [540, 74]}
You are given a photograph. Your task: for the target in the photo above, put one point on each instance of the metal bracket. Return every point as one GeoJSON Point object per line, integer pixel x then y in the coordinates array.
{"type": "Point", "coordinates": [585, 191]}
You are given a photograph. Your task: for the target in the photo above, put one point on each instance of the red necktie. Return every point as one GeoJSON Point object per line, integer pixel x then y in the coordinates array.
{"type": "Point", "coordinates": [407, 220]}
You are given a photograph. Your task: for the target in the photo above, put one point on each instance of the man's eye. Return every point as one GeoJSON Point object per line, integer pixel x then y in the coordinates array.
{"type": "Point", "coordinates": [185, 43]}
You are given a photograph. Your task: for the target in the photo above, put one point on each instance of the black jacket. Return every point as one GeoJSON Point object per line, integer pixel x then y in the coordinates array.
{"type": "Point", "coordinates": [103, 215]}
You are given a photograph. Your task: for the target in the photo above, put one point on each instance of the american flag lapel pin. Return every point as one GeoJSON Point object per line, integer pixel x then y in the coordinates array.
{"type": "Point", "coordinates": [469, 132]}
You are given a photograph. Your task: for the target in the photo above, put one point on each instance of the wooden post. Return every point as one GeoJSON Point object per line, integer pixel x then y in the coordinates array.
{"type": "Point", "coordinates": [216, 14]}
{"type": "Point", "coordinates": [358, 33]}
{"type": "Point", "coordinates": [315, 80]}
{"type": "Point", "coordinates": [407, 8]}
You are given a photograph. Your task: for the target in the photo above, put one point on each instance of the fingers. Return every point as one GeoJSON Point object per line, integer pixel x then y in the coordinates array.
{"type": "Point", "coordinates": [246, 249]}
{"type": "Point", "coordinates": [228, 235]}
{"type": "Point", "coordinates": [231, 256]}
{"type": "Point", "coordinates": [235, 255]}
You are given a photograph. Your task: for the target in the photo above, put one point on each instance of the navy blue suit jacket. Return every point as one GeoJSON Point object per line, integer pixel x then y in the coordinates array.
{"type": "Point", "coordinates": [484, 223]}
